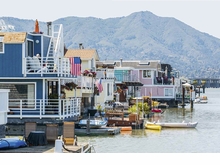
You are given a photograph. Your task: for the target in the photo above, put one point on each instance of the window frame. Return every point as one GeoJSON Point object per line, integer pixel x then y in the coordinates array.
{"type": "Point", "coordinates": [146, 74]}
{"type": "Point", "coordinates": [23, 83]}
{"type": "Point", "coordinates": [2, 50]}
{"type": "Point", "coordinates": [168, 92]}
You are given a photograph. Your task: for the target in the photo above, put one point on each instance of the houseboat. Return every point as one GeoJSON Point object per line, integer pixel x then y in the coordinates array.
{"type": "Point", "coordinates": [33, 67]}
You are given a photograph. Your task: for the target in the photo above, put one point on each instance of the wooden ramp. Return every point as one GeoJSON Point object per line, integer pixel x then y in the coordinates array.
{"type": "Point", "coordinates": [99, 131]}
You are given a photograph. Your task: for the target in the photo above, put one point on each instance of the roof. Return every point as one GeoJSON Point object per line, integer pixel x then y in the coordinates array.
{"type": "Point", "coordinates": [138, 64]}
{"type": "Point", "coordinates": [13, 37]}
{"type": "Point", "coordinates": [84, 54]}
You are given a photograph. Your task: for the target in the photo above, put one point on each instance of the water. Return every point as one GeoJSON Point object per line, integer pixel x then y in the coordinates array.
{"type": "Point", "coordinates": [205, 138]}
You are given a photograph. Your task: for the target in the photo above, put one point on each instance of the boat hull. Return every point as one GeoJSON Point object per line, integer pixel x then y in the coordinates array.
{"type": "Point", "coordinates": [93, 123]}
{"type": "Point", "coordinates": [176, 125]}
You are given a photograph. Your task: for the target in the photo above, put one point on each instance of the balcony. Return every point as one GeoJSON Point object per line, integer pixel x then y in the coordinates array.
{"type": "Point", "coordinates": [57, 66]}
{"type": "Point", "coordinates": [101, 74]}
{"type": "Point", "coordinates": [127, 77]}
{"type": "Point", "coordinates": [48, 108]}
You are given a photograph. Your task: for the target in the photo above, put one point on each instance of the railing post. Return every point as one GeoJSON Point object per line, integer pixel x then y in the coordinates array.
{"type": "Point", "coordinates": [59, 107]}
{"type": "Point", "coordinates": [20, 109]}
{"type": "Point", "coordinates": [40, 109]}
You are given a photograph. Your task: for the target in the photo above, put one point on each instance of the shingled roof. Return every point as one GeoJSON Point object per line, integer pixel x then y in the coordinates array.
{"type": "Point", "coordinates": [13, 37]}
{"type": "Point", "coordinates": [82, 53]}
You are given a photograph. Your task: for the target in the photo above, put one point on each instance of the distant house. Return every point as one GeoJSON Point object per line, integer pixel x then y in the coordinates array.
{"type": "Point", "coordinates": [33, 67]}
{"type": "Point", "coordinates": [87, 76]}
{"type": "Point", "coordinates": [135, 78]}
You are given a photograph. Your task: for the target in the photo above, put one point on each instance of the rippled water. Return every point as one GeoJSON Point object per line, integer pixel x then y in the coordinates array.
{"type": "Point", "coordinates": [205, 138]}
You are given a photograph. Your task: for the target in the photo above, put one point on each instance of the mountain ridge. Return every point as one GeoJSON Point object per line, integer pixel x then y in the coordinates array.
{"type": "Point", "coordinates": [140, 35]}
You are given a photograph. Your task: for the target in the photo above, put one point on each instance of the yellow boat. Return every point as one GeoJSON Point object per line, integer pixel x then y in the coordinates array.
{"type": "Point", "coordinates": [152, 126]}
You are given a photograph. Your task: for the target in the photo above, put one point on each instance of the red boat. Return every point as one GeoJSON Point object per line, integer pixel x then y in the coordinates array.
{"type": "Point", "coordinates": [156, 110]}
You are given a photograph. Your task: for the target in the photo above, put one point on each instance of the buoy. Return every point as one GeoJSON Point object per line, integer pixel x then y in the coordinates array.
{"type": "Point", "coordinates": [126, 128]}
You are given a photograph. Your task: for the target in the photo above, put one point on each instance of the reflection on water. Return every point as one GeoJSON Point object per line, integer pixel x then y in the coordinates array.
{"type": "Point", "coordinates": [202, 139]}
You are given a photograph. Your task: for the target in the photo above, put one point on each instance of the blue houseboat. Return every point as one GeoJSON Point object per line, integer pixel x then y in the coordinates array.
{"type": "Point", "coordinates": [34, 68]}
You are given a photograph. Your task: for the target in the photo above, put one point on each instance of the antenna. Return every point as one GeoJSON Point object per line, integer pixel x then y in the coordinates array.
{"type": "Point", "coordinates": [6, 28]}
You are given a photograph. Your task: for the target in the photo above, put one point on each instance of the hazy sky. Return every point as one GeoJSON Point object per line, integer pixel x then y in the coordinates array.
{"type": "Point", "coordinates": [201, 15]}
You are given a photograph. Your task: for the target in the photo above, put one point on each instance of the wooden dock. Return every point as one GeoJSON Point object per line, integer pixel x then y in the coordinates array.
{"type": "Point", "coordinates": [50, 148]}
{"type": "Point", "coordinates": [99, 131]}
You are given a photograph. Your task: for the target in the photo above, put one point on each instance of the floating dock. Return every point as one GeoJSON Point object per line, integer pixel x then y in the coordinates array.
{"type": "Point", "coordinates": [99, 131]}
{"type": "Point", "coordinates": [50, 148]}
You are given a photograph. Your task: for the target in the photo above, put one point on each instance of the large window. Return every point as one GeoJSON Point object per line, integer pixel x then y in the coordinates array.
{"type": "Point", "coordinates": [168, 92]}
{"type": "Point", "coordinates": [24, 92]}
{"type": "Point", "coordinates": [146, 73]}
{"type": "Point", "coordinates": [1, 44]}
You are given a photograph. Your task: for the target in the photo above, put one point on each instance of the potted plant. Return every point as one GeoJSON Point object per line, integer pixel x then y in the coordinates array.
{"type": "Point", "coordinates": [138, 109]}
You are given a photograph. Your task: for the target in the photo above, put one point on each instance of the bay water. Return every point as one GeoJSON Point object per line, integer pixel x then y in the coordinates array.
{"type": "Point", "coordinates": [205, 138]}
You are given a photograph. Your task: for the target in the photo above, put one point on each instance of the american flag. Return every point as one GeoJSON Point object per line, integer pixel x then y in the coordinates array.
{"type": "Point", "coordinates": [75, 63]}
{"type": "Point", "coordinates": [99, 85]}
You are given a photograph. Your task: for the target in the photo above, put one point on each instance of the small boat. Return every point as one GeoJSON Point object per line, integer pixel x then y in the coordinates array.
{"type": "Point", "coordinates": [152, 126]}
{"type": "Point", "coordinates": [93, 123]}
{"type": "Point", "coordinates": [178, 125]}
{"type": "Point", "coordinates": [202, 100]}
{"type": "Point", "coordinates": [11, 143]}
{"type": "Point", "coordinates": [156, 110]}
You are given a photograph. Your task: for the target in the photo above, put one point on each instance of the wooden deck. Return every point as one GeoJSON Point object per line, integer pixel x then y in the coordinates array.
{"type": "Point", "coordinates": [48, 149]}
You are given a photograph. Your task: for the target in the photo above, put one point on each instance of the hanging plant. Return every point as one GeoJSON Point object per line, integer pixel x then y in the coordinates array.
{"type": "Point", "coordinates": [89, 73]}
{"type": "Point", "coordinates": [70, 86]}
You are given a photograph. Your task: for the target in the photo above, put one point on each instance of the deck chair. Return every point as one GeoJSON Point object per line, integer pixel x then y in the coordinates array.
{"type": "Point", "coordinates": [28, 127]}
{"type": "Point", "coordinates": [51, 132]}
{"type": "Point", "coordinates": [68, 133]}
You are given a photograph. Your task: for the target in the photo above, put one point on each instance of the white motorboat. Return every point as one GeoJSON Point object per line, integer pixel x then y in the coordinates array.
{"type": "Point", "coordinates": [178, 125]}
{"type": "Point", "coordinates": [99, 122]}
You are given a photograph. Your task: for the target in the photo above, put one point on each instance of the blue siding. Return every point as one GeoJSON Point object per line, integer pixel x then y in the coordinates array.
{"type": "Point", "coordinates": [37, 46]}
{"type": "Point", "coordinates": [46, 42]}
{"type": "Point", "coordinates": [11, 61]}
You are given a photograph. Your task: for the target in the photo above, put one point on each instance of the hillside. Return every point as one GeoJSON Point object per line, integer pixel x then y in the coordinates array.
{"type": "Point", "coordinates": [141, 35]}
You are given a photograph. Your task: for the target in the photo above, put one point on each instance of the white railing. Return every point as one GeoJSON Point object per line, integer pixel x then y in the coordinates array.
{"type": "Point", "coordinates": [57, 30]}
{"type": "Point", "coordinates": [44, 65]}
{"type": "Point", "coordinates": [109, 74]}
{"type": "Point", "coordinates": [48, 108]}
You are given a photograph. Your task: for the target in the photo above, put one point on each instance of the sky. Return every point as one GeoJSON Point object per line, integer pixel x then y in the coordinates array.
{"type": "Point", "coordinates": [201, 15]}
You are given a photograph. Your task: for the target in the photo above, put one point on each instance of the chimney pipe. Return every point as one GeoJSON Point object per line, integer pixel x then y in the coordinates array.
{"type": "Point", "coordinates": [49, 28]}
{"type": "Point", "coordinates": [81, 46]}
{"type": "Point", "coordinates": [121, 62]}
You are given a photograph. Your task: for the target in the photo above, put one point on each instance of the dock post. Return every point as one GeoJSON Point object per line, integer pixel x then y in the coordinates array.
{"type": "Point", "coordinates": [88, 126]}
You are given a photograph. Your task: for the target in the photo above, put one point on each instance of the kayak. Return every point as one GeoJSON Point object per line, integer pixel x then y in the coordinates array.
{"type": "Point", "coordinates": [153, 126]}
{"type": "Point", "coordinates": [10, 143]}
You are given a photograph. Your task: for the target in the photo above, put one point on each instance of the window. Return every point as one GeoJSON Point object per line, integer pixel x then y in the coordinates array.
{"type": "Point", "coordinates": [146, 73]}
{"type": "Point", "coordinates": [168, 92]}
{"type": "Point", "coordinates": [1, 44]}
{"type": "Point", "coordinates": [19, 91]}
{"type": "Point", "coordinates": [30, 48]}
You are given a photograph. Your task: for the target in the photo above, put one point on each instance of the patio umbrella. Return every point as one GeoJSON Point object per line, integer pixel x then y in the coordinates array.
{"type": "Point", "coordinates": [36, 30]}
